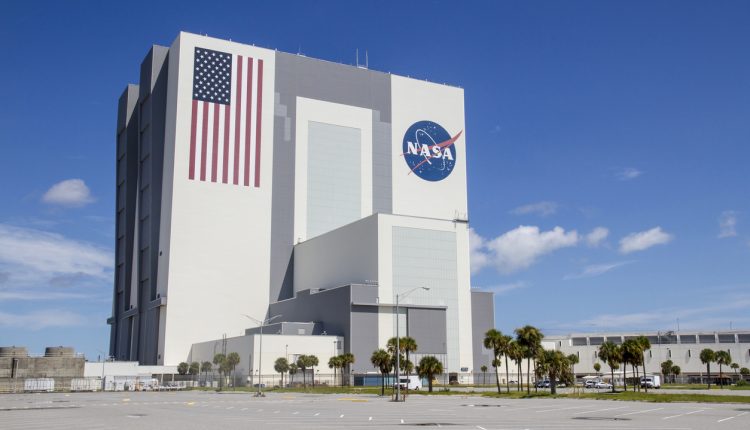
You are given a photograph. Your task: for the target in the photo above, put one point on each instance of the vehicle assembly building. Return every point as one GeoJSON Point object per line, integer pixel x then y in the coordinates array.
{"type": "Point", "coordinates": [252, 182]}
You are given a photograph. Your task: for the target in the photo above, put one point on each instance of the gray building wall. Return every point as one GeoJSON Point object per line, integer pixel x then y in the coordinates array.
{"type": "Point", "coordinates": [298, 76]}
{"type": "Point", "coordinates": [140, 155]}
{"type": "Point", "coordinates": [482, 319]}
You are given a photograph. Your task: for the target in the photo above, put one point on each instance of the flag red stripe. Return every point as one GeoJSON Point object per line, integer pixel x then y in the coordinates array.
{"type": "Point", "coordinates": [215, 150]}
{"type": "Point", "coordinates": [193, 125]}
{"type": "Point", "coordinates": [248, 118]}
{"type": "Point", "coordinates": [204, 141]}
{"type": "Point", "coordinates": [258, 113]}
{"type": "Point", "coordinates": [224, 171]}
{"type": "Point", "coordinates": [238, 117]}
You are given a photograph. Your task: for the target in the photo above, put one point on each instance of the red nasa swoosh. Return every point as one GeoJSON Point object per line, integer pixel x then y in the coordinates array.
{"type": "Point", "coordinates": [445, 144]}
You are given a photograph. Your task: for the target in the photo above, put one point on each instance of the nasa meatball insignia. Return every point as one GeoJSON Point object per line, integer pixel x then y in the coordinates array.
{"type": "Point", "coordinates": [429, 150]}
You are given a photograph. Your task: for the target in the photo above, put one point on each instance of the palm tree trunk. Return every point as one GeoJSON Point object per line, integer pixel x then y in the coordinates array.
{"type": "Point", "coordinates": [708, 370]}
{"type": "Point", "coordinates": [612, 371]}
{"type": "Point", "coordinates": [497, 379]}
{"type": "Point", "coordinates": [528, 375]}
{"type": "Point", "coordinates": [507, 378]}
{"type": "Point", "coordinates": [645, 383]}
{"type": "Point", "coordinates": [625, 375]}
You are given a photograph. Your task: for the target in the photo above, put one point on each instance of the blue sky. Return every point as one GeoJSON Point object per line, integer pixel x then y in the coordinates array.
{"type": "Point", "coordinates": [608, 148]}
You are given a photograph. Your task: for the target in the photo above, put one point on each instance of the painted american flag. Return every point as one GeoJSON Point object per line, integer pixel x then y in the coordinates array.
{"type": "Point", "coordinates": [225, 128]}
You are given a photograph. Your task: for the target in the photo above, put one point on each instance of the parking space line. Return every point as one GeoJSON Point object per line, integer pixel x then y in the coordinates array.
{"type": "Point", "coordinates": [601, 410]}
{"type": "Point", "coordinates": [682, 415]}
{"type": "Point", "coordinates": [639, 412]}
{"type": "Point", "coordinates": [731, 418]}
{"type": "Point", "coordinates": [561, 409]}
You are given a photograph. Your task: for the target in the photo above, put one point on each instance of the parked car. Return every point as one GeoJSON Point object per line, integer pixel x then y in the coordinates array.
{"type": "Point", "coordinates": [542, 383]}
{"type": "Point", "coordinates": [602, 384]}
{"type": "Point", "coordinates": [590, 383]}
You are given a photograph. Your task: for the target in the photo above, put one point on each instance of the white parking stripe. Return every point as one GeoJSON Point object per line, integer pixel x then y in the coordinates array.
{"type": "Point", "coordinates": [561, 409]}
{"type": "Point", "coordinates": [682, 415]}
{"type": "Point", "coordinates": [601, 410]}
{"type": "Point", "coordinates": [639, 412]}
{"type": "Point", "coordinates": [731, 418]}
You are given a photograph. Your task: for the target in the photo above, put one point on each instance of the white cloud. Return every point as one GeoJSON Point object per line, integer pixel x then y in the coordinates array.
{"type": "Point", "coordinates": [701, 317]}
{"type": "Point", "coordinates": [597, 236]}
{"type": "Point", "coordinates": [644, 240]}
{"type": "Point", "coordinates": [41, 295]}
{"type": "Point", "coordinates": [628, 173]}
{"type": "Point", "coordinates": [541, 208]}
{"type": "Point", "coordinates": [38, 320]}
{"type": "Point", "coordinates": [503, 289]}
{"type": "Point", "coordinates": [728, 224]}
{"type": "Point", "coordinates": [39, 252]}
{"type": "Point", "coordinates": [477, 256]}
{"type": "Point", "coordinates": [519, 248]}
{"type": "Point", "coordinates": [594, 270]}
{"type": "Point", "coordinates": [70, 192]}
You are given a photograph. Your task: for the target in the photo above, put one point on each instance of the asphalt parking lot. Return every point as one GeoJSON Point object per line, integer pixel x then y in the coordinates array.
{"type": "Point", "coordinates": [199, 410]}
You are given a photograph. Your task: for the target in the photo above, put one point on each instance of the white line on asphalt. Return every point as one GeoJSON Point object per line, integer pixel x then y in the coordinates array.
{"type": "Point", "coordinates": [680, 415]}
{"type": "Point", "coordinates": [369, 419]}
{"type": "Point", "coordinates": [295, 412]}
{"type": "Point", "coordinates": [600, 410]}
{"type": "Point", "coordinates": [402, 420]}
{"type": "Point", "coordinates": [230, 407]}
{"type": "Point", "coordinates": [639, 412]}
{"type": "Point", "coordinates": [481, 428]}
{"type": "Point", "coordinates": [561, 409]}
{"type": "Point", "coordinates": [243, 409]}
{"type": "Point", "coordinates": [731, 418]}
{"type": "Point", "coordinates": [316, 414]}
{"type": "Point", "coordinates": [342, 416]}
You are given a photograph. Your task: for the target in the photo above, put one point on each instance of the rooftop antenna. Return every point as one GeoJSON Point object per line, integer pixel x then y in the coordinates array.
{"type": "Point", "coordinates": [367, 61]}
{"type": "Point", "coordinates": [357, 53]}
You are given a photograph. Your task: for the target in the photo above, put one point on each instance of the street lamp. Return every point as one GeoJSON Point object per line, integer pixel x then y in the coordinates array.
{"type": "Point", "coordinates": [260, 352]}
{"type": "Point", "coordinates": [398, 346]}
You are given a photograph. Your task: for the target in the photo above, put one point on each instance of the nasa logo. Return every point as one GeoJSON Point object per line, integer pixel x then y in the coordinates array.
{"type": "Point", "coordinates": [429, 150]}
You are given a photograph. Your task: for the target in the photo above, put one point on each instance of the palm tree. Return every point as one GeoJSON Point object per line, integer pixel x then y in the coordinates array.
{"type": "Point", "coordinates": [675, 370]}
{"type": "Point", "coordinates": [429, 366]}
{"type": "Point", "coordinates": [631, 354]}
{"type": "Point", "coordinates": [644, 344]}
{"type": "Point", "coordinates": [610, 354]}
{"type": "Point", "coordinates": [515, 353]}
{"type": "Point", "coordinates": [707, 356]}
{"type": "Point", "coordinates": [335, 363]}
{"type": "Point", "coordinates": [233, 359]}
{"type": "Point", "coordinates": [723, 358]}
{"type": "Point", "coordinates": [597, 368]}
{"type": "Point", "coordinates": [293, 371]}
{"type": "Point", "coordinates": [381, 360]}
{"type": "Point", "coordinates": [281, 366]}
{"type": "Point", "coordinates": [666, 368]}
{"type": "Point", "coordinates": [530, 338]}
{"type": "Point", "coordinates": [219, 360]}
{"type": "Point", "coordinates": [744, 371]}
{"type": "Point", "coordinates": [312, 361]}
{"type": "Point", "coordinates": [302, 364]}
{"type": "Point", "coordinates": [573, 360]}
{"type": "Point", "coordinates": [504, 350]}
{"type": "Point", "coordinates": [205, 368]}
{"type": "Point", "coordinates": [347, 359]}
{"type": "Point", "coordinates": [182, 368]}
{"type": "Point", "coordinates": [493, 340]}
{"type": "Point", "coordinates": [735, 366]}
{"type": "Point", "coordinates": [554, 364]}
{"type": "Point", "coordinates": [484, 374]}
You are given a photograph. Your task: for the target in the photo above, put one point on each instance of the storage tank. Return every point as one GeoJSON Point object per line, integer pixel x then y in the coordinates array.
{"type": "Point", "coordinates": [13, 351]}
{"type": "Point", "coordinates": [59, 351]}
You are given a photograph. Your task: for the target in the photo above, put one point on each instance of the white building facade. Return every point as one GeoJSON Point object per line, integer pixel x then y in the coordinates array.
{"type": "Point", "coordinates": [232, 158]}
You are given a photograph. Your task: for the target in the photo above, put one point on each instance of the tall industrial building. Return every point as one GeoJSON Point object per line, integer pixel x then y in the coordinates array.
{"type": "Point", "coordinates": [256, 182]}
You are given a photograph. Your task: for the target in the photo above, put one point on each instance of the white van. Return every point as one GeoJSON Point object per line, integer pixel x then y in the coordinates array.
{"type": "Point", "coordinates": [412, 382]}
{"type": "Point", "coordinates": [653, 381]}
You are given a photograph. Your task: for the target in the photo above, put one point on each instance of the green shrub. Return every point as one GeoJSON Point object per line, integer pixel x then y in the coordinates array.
{"type": "Point", "coordinates": [742, 383]}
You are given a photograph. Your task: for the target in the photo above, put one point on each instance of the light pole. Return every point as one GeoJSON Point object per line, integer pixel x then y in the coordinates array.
{"type": "Point", "coordinates": [398, 345]}
{"type": "Point", "coordinates": [260, 350]}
